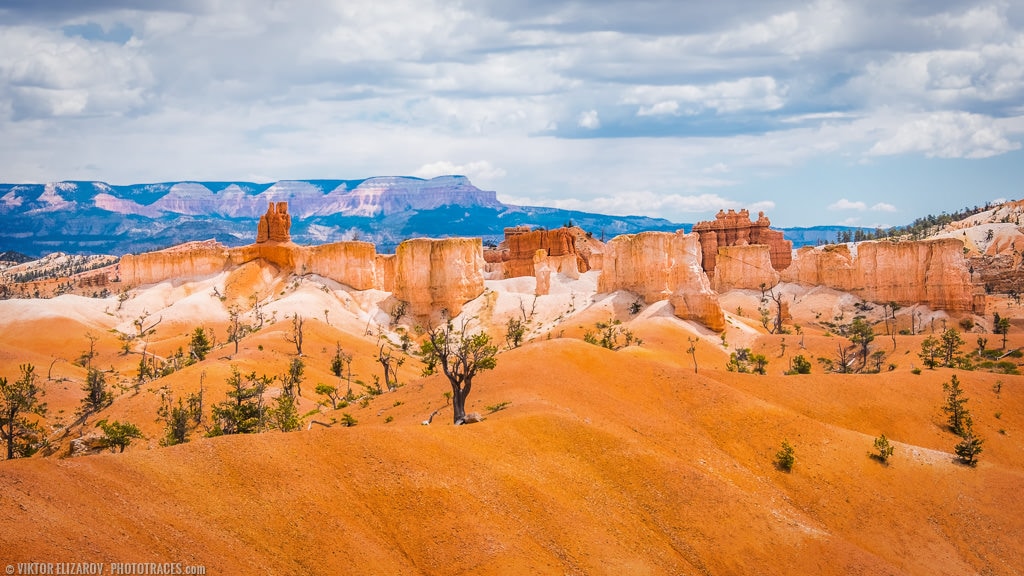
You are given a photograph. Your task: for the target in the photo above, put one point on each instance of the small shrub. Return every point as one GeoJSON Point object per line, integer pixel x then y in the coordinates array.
{"type": "Point", "coordinates": [967, 450]}
{"type": "Point", "coordinates": [636, 306]}
{"type": "Point", "coordinates": [347, 420]}
{"type": "Point", "coordinates": [389, 419]}
{"type": "Point", "coordinates": [497, 407]}
{"type": "Point", "coordinates": [801, 365]}
{"type": "Point", "coordinates": [785, 457]}
{"type": "Point", "coordinates": [916, 371]}
{"type": "Point", "coordinates": [883, 448]}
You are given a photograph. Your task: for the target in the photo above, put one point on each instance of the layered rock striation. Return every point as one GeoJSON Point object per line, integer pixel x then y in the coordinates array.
{"type": "Point", "coordinates": [736, 229]}
{"type": "Point", "coordinates": [436, 277]}
{"type": "Point", "coordinates": [660, 266]}
{"type": "Point", "coordinates": [931, 272]}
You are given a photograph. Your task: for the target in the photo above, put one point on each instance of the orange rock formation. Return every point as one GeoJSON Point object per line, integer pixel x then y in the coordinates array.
{"type": "Point", "coordinates": [932, 272]}
{"type": "Point", "coordinates": [736, 229]}
{"type": "Point", "coordinates": [275, 225]}
{"type": "Point", "coordinates": [659, 266]}
{"type": "Point", "coordinates": [431, 275]}
{"type": "Point", "coordinates": [438, 276]}
{"type": "Point", "coordinates": [521, 244]}
{"type": "Point", "coordinates": [744, 268]}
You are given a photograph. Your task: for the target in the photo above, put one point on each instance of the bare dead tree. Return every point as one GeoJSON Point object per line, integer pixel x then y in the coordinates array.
{"type": "Point", "coordinates": [295, 336]}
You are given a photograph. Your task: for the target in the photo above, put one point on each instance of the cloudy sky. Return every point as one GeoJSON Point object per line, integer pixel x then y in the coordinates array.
{"type": "Point", "coordinates": [864, 112]}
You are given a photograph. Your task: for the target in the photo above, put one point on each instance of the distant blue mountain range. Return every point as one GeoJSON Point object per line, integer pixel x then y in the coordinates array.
{"type": "Point", "coordinates": [96, 217]}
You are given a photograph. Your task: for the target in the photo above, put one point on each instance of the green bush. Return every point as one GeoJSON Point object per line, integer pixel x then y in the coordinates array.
{"type": "Point", "coordinates": [785, 457]}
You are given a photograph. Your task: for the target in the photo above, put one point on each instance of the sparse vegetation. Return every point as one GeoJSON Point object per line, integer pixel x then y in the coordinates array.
{"type": "Point", "coordinates": [609, 333]}
{"type": "Point", "coordinates": [118, 434]}
{"type": "Point", "coordinates": [785, 457]}
{"type": "Point", "coordinates": [801, 365]}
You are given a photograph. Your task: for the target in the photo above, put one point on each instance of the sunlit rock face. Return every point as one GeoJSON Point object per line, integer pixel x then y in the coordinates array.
{"type": "Point", "coordinates": [437, 277]}
{"type": "Point", "coordinates": [663, 266]}
{"type": "Point", "coordinates": [737, 229]}
{"type": "Point", "coordinates": [931, 272]}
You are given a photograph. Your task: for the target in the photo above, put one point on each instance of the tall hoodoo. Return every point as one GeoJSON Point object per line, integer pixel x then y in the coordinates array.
{"type": "Point", "coordinates": [275, 225]}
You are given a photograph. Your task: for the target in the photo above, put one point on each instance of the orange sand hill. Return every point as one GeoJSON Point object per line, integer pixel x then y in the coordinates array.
{"type": "Point", "coordinates": [603, 462]}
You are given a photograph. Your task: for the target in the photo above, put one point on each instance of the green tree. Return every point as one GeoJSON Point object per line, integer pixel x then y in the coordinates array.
{"type": "Point", "coordinates": [292, 380]}
{"type": "Point", "coordinates": [176, 423]}
{"type": "Point", "coordinates": [801, 365]}
{"type": "Point", "coordinates": [969, 447]}
{"type": "Point", "coordinates": [18, 401]}
{"type": "Point", "coordinates": [950, 345]}
{"type": "Point", "coordinates": [199, 346]}
{"type": "Point", "coordinates": [956, 406]}
{"type": "Point", "coordinates": [284, 416]}
{"type": "Point", "coordinates": [931, 351]}
{"type": "Point", "coordinates": [243, 411]}
{"type": "Point", "coordinates": [118, 435]}
{"type": "Point", "coordinates": [461, 355]}
{"type": "Point", "coordinates": [97, 397]}
{"type": "Point", "coordinates": [760, 363]}
{"type": "Point", "coordinates": [331, 393]}
{"type": "Point", "coordinates": [1001, 325]}
{"type": "Point", "coordinates": [861, 334]}
{"type": "Point", "coordinates": [515, 330]}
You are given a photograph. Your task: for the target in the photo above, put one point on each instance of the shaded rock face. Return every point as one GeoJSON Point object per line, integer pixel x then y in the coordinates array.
{"type": "Point", "coordinates": [744, 268]}
{"type": "Point", "coordinates": [660, 266]}
{"type": "Point", "coordinates": [436, 277]}
{"type": "Point", "coordinates": [275, 225]}
{"type": "Point", "coordinates": [931, 272]}
{"type": "Point", "coordinates": [736, 229]}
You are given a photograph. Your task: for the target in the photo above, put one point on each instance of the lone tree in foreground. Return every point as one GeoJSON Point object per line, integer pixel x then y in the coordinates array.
{"type": "Point", "coordinates": [18, 400]}
{"type": "Point", "coordinates": [461, 356]}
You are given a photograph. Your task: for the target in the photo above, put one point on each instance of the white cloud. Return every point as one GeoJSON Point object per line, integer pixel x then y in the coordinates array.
{"type": "Point", "coordinates": [851, 221]}
{"type": "Point", "coordinates": [753, 93]}
{"type": "Point", "coordinates": [844, 204]}
{"type": "Point", "coordinates": [948, 134]}
{"type": "Point", "coordinates": [479, 170]}
{"type": "Point", "coordinates": [589, 120]}
{"type": "Point", "coordinates": [883, 207]}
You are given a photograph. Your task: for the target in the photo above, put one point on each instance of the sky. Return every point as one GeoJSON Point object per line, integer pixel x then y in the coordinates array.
{"type": "Point", "coordinates": [867, 112]}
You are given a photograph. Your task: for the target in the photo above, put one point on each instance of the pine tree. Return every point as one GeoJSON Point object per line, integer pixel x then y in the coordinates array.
{"type": "Point", "coordinates": [955, 406]}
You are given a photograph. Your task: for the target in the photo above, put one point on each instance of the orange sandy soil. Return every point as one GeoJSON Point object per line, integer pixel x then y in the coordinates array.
{"type": "Point", "coordinates": [604, 462]}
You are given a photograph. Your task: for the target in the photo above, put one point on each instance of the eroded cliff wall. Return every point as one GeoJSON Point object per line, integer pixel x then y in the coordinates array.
{"type": "Point", "coordinates": [932, 272]}
{"type": "Point", "coordinates": [436, 276]}
{"type": "Point", "coordinates": [660, 266]}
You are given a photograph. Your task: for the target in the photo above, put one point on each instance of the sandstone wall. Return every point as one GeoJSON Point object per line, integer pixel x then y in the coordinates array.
{"type": "Point", "coordinates": [744, 267]}
{"type": "Point", "coordinates": [660, 266]}
{"type": "Point", "coordinates": [351, 263]}
{"type": "Point", "coordinates": [522, 246]}
{"type": "Point", "coordinates": [737, 229]}
{"type": "Point", "coordinates": [438, 275]}
{"type": "Point", "coordinates": [192, 260]}
{"type": "Point", "coordinates": [932, 272]}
